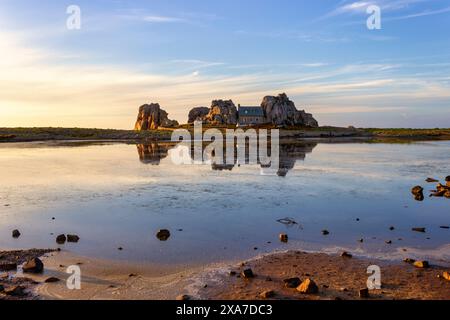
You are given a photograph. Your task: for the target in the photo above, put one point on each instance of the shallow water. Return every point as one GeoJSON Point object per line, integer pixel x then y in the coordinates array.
{"type": "Point", "coordinates": [119, 195]}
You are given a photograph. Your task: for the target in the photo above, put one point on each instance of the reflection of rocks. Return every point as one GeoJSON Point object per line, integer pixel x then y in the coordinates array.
{"type": "Point", "coordinates": [152, 153]}
{"type": "Point", "coordinates": [289, 154]}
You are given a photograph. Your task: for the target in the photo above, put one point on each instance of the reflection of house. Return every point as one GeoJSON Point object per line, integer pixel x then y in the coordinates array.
{"type": "Point", "coordinates": [250, 116]}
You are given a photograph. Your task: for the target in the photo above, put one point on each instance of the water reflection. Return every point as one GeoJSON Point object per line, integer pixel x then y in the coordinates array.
{"type": "Point", "coordinates": [153, 153]}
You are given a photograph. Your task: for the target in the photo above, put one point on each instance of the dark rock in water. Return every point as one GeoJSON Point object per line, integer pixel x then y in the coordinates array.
{"type": "Point", "coordinates": [15, 234]}
{"type": "Point", "coordinates": [267, 294]}
{"type": "Point", "coordinates": [151, 117]}
{"type": "Point", "coordinates": [61, 239]}
{"type": "Point", "coordinates": [247, 274]}
{"type": "Point", "coordinates": [15, 291]}
{"type": "Point", "coordinates": [308, 287]}
{"type": "Point", "coordinates": [361, 240]}
{"type": "Point", "coordinates": [409, 260]}
{"type": "Point", "coordinates": [52, 280]}
{"type": "Point", "coordinates": [284, 238]}
{"type": "Point", "coordinates": [232, 273]}
{"type": "Point", "coordinates": [445, 227]}
{"type": "Point", "coordinates": [183, 297]}
{"type": "Point", "coordinates": [447, 194]}
{"type": "Point", "coordinates": [120, 248]}
{"type": "Point", "coordinates": [431, 180]}
{"type": "Point", "coordinates": [292, 282]}
{"type": "Point", "coordinates": [345, 254]}
{"type": "Point", "coordinates": [417, 191]}
{"type": "Point", "coordinates": [364, 293]}
{"type": "Point", "coordinates": [422, 230]}
{"type": "Point", "coordinates": [72, 238]}
{"type": "Point", "coordinates": [447, 179]}
{"type": "Point", "coordinates": [163, 235]}
{"type": "Point", "coordinates": [8, 266]}
{"type": "Point", "coordinates": [33, 265]}
{"type": "Point", "coordinates": [325, 232]}
{"type": "Point", "coordinates": [388, 242]}
{"type": "Point", "coordinates": [422, 264]}
{"type": "Point", "coordinates": [392, 228]}
{"type": "Point", "coordinates": [438, 194]}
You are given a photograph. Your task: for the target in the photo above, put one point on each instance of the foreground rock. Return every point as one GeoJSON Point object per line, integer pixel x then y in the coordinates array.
{"type": "Point", "coordinates": [281, 111]}
{"type": "Point", "coordinates": [151, 117]}
{"type": "Point", "coordinates": [33, 265]}
{"type": "Point", "coordinates": [292, 282]}
{"type": "Point", "coordinates": [421, 264]}
{"type": "Point", "coordinates": [308, 287]}
{"type": "Point", "coordinates": [267, 294]}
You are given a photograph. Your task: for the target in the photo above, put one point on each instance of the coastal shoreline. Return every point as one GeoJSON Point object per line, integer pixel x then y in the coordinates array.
{"type": "Point", "coordinates": [337, 277]}
{"type": "Point", "coordinates": [10, 135]}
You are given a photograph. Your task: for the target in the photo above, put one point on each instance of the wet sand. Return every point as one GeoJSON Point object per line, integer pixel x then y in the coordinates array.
{"type": "Point", "coordinates": [336, 277]}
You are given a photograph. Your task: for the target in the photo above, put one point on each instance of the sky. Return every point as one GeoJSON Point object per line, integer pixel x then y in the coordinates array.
{"type": "Point", "coordinates": [184, 54]}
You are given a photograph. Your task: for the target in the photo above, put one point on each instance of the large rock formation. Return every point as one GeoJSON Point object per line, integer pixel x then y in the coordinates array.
{"type": "Point", "coordinates": [222, 113]}
{"type": "Point", "coordinates": [151, 117]}
{"type": "Point", "coordinates": [282, 111]}
{"type": "Point", "coordinates": [198, 114]}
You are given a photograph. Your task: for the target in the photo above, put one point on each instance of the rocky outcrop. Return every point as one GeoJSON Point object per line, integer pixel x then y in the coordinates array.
{"type": "Point", "coordinates": [222, 112]}
{"type": "Point", "coordinates": [198, 114]}
{"type": "Point", "coordinates": [282, 111]}
{"type": "Point", "coordinates": [151, 117]}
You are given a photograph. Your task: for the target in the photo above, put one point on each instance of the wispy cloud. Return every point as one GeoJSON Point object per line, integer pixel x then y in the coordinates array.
{"type": "Point", "coordinates": [420, 14]}
{"type": "Point", "coordinates": [163, 19]}
{"type": "Point", "coordinates": [359, 7]}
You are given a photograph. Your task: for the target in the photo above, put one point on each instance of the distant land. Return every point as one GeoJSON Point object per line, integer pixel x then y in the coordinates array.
{"type": "Point", "coordinates": [164, 134]}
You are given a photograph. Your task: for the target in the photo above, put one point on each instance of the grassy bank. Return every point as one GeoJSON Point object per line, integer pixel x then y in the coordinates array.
{"type": "Point", "coordinates": [48, 134]}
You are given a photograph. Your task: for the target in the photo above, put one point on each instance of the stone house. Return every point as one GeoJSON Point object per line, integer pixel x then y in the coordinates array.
{"type": "Point", "coordinates": [248, 116]}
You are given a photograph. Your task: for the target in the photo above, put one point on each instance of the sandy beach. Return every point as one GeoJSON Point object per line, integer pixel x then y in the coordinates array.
{"type": "Point", "coordinates": [336, 277]}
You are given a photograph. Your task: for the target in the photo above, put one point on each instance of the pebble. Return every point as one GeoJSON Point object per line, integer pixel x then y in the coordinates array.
{"type": "Point", "coordinates": [292, 282]}
{"type": "Point", "coordinates": [284, 237]}
{"type": "Point", "coordinates": [247, 274]}
{"type": "Point", "coordinates": [267, 294]}
{"type": "Point", "coordinates": [345, 254]}
{"type": "Point", "coordinates": [308, 287]}
{"type": "Point", "coordinates": [364, 293]}
{"type": "Point", "coordinates": [421, 264]}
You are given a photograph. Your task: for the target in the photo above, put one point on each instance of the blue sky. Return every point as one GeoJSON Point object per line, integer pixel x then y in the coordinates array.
{"type": "Point", "coordinates": [184, 54]}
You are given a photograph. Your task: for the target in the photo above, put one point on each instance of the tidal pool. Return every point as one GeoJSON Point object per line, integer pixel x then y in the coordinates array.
{"type": "Point", "coordinates": [119, 195]}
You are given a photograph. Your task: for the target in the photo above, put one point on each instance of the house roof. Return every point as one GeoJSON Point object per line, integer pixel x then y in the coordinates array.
{"type": "Point", "coordinates": [251, 112]}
